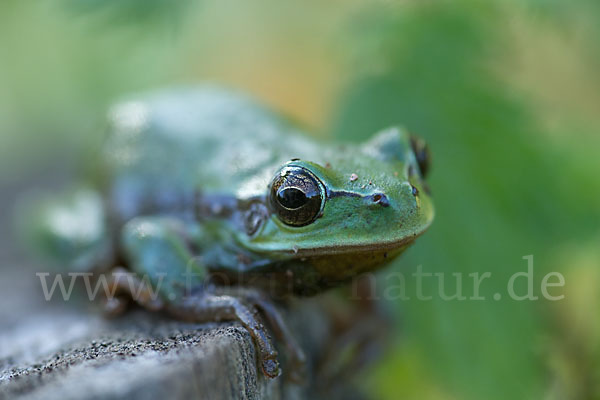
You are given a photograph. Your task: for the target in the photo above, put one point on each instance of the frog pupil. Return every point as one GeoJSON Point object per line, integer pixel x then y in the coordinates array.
{"type": "Point", "coordinates": [292, 198]}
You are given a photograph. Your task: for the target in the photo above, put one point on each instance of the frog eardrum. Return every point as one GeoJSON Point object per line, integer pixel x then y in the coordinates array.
{"type": "Point", "coordinates": [296, 196]}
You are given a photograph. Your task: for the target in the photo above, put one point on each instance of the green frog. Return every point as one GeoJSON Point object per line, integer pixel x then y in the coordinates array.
{"type": "Point", "coordinates": [221, 207]}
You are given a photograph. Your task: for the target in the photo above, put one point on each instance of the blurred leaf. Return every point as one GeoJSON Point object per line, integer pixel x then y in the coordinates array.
{"type": "Point", "coordinates": [132, 11]}
{"type": "Point", "coordinates": [500, 190]}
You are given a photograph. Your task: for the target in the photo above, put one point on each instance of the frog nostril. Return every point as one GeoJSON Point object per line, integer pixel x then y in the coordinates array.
{"type": "Point", "coordinates": [381, 199]}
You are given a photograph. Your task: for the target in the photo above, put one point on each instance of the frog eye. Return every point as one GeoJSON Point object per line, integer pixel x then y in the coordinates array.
{"type": "Point", "coordinates": [421, 151]}
{"type": "Point", "coordinates": [296, 196]}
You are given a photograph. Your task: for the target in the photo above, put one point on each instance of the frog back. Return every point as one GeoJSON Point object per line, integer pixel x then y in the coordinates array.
{"type": "Point", "coordinates": [166, 147]}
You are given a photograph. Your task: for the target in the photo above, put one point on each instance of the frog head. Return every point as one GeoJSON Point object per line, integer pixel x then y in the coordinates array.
{"type": "Point", "coordinates": [353, 209]}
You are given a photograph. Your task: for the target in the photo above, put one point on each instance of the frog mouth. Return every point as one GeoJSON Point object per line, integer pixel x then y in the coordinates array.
{"type": "Point", "coordinates": [380, 246]}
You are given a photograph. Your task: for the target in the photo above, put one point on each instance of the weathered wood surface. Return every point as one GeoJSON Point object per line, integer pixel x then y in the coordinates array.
{"type": "Point", "coordinates": [69, 350]}
{"type": "Point", "coordinates": [77, 355]}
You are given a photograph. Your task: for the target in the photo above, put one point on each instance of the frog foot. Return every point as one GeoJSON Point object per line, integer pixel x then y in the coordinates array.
{"type": "Point", "coordinates": [296, 362]}
{"type": "Point", "coordinates": [270, 367]}
{"type": "Point", "coordinates": [206, 307]}
{"type": "Point", "coordinates": [126, 288]}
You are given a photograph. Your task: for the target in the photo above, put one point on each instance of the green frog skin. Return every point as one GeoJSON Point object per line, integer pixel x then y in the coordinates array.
{"type": "Point", "coordinates": [225, 205]}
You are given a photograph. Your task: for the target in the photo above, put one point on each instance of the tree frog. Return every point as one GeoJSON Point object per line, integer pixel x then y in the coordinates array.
{"type": "Point", "coordinates": [223, 206]}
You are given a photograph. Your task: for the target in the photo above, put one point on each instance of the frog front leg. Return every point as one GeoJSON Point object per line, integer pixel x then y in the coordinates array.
{"type": "Point", "coordinates": [158, 249]}
{"type": "Point", "coordinates": [296, 362]}
{"type": "Point", "coordinates": [213, 307]}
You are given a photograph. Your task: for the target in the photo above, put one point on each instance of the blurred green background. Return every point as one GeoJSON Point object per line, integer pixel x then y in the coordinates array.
{"type": "Point", "coordinates": [507, 94]}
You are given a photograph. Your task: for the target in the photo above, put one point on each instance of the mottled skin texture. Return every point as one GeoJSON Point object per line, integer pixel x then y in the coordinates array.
{"type": "Point", "coordinates": [184, 200]}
